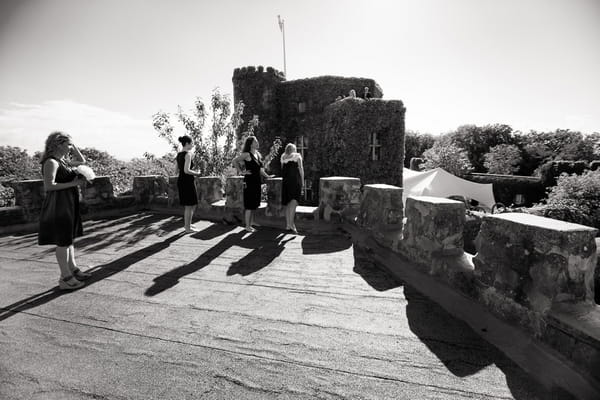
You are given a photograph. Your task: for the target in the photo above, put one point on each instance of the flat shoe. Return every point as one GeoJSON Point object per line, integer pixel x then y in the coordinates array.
{"type": "Point", "coordinates": [69, 284]}
{"type": "Point", "coordinates": [80, 275]}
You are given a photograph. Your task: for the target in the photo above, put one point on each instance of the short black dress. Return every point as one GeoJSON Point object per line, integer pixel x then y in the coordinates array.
{"type": "Point", "coordinates": [252, 183]}
{"type": "Point", "coordinates": [291, 188]}
{"type": "Point", "coordinates": [60, 220]}
{"type": "Point", "coordinates": [185, 183]}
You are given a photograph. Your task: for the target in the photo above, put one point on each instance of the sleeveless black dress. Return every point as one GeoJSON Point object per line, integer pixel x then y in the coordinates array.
{"type": "Point", "coordinates": [60, 220]}
{"type": "Point", "coordinates": [291, 188]}
{"type": "Point", "coordinates": [252, 183]}
{"type": "Point", "coordinates": [185, 183]}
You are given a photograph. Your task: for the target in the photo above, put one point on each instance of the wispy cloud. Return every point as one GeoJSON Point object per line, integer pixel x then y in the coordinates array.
{"type": "Point", "coordinates": [28, 125]}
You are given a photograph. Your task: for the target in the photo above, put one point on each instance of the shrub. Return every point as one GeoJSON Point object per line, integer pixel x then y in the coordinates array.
{"type": "Point", "coordinates": [448, 156]}
{"type": "Point", "coordinates": [503, 159]}
{"type": "Point", "coordinates": [576, 198]}
{"type": "Point", "coordinates": [550, 171]}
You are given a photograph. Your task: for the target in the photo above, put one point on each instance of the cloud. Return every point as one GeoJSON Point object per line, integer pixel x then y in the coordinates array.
{"type": "Point", "coordinates": [28, 125]}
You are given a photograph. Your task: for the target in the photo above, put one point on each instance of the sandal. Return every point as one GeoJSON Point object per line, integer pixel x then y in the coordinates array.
{"type": "Point", "coordinates": [80, 275]}
{"type": "Point", "coordinates": [69, 283]}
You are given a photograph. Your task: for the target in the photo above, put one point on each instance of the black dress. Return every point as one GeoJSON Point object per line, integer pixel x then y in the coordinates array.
{"type": "Point", "coordinates": [252, 183]}
{"type": "Point", "coordinates": [291, 188]}
{"type": "Point", "coordinates": [60, 220]}
{"type": "Point", "coordinates": [185, 183]}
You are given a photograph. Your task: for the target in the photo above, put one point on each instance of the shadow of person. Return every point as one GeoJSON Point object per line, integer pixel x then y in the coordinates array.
{"type": "Point", "coordinates": [321, 244]}
{"type": "Point", "coordinates": [463, 352]}
{"type": "Point", "coordinates": [172, 277]}
{"type": "Point", "coordinates": [98, 273]}
{"type": "Point", "coordinates": [265, 250]}
{"type": "Point", "coordinates": [378, 278]}
{"type": "Point", "coordinates": [213, 231]}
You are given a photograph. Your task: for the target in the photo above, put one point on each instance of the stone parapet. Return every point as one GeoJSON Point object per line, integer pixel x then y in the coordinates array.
{"type": "Point", "coordinates": [29, 194]}
{"type": "Point", "coordinates": [234, 192]}
{"type": "Point", "coordinates": [535, 261]}
{"type": "Point", "coordinates": [338, 196]}
{"type": "Point", "coordinates": [173, 192]}
{"type": "Point", "coordinates": [434, 228]}
{"type": "Point", "coordinates": [209, 189]}
{"type": "Point", "coordinates": [274, 206]}
{"type": "Point", "coordinates": [99, 191]}
{"type": "Point", "coordinates": [147, 188]}
{"type": "Point", "coordinates": [382, 212]}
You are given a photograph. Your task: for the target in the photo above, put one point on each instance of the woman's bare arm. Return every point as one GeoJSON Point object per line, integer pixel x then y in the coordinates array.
{"type": "Point", "coordinates": [50, 184]}
{"type": "Point", "coordinates": [187, 164]}
{"type": "Point", "coordinates": [78, 158]}
{"type": "Point", "coordinates": [301, 168]}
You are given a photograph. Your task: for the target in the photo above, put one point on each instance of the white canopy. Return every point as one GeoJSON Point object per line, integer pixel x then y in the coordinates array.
{"type": "Point", "coordinates": [439, 183]}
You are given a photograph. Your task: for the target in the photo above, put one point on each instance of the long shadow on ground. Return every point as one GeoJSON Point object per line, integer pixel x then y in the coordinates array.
{"type": "Point", "coordinates": [266, 244]}
{"type": "Point", "coordinates": [462, 351]}
{"type": "Point", "coordinates": [99, 273]}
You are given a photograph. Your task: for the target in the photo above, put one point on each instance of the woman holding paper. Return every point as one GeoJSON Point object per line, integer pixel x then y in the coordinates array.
{"type": "Point", "coordinates": [60, 221]}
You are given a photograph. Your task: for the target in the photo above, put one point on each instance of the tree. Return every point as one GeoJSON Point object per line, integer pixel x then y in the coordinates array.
{"type": "Point", "coordinates": [16, 164]}
{"type": "Point", "coordinates": [503, 159]}
{"type": "Point", "coordinates": [415, 144]}
{"type": "Point", "coordinates": [213, 150]}
{"type": "Point", "coordinates": [445, 154]}
{"type": "Point", "coordinates": [477, 141]}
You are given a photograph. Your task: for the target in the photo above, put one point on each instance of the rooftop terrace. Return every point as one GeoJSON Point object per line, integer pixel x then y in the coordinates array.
{"type": "Point", "coordinates": [227, 314]}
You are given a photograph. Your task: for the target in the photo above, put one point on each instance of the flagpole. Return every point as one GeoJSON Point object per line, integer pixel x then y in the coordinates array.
{"type": "Point", "coordinates": [282, 28]}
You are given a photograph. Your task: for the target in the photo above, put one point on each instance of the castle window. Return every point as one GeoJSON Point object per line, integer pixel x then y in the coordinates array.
{"type": "Point", "coordinates": [375, 147]}
{"type": "Point", "coordinates": [302, 146]}
{"type": "Point", "coordinates": [301, 107]}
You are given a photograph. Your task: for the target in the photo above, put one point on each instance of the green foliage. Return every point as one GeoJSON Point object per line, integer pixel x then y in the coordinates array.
{"type": "Point", "coordinates": [213, 150]}
{"type": "Point", "coordinates": [16, 164]}
{"type": "Point", "coordinates": [415, 144]}
{"type": "Point", "coordinates": [502, 159]}
{"type": "Point", "coordinates": [477, 141]}
{"type": "Point", "coordinates": [576, 198]}
{"type": "Point", "coordinates": [445, 154]}
{"type": "Point", "coordinates": [7, 196]}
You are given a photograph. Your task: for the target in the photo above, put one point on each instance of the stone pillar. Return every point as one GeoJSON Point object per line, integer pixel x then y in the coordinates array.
{"type": "Point", "coordinates": [209, 189]}
{"type": "Point", "coordinates": [274, 206]}
{"type": "Point", "coordinates": [29, 194]}
{"type": "Point", "coordinates": [99, 191]}
{"type": "Point", "coordinates": [534, 261]}
{"type": "Point", "coordinates": [434, 228]}
{"type": "Point", "coordinates": [382, 212]}
{"type": "Point", "coordinates": [147, 188]}
{"type": "Point", "coordinates": [234, 192]}
{"type": "Point", "coordinates": [338, 196]}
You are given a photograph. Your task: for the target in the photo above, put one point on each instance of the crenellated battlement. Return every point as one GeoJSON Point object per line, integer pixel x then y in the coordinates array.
{"type": "Point", "coordinates": [258, 72]}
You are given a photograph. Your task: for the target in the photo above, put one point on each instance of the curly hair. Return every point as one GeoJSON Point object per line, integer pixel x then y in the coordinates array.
{"type": "Point", "coordinates": [54, 140]}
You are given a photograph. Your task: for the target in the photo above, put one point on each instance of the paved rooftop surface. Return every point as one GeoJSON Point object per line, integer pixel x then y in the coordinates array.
{"type": "Point", "coordinates": [223, 314]}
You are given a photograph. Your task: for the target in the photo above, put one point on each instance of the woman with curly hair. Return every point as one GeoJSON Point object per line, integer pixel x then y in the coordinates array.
{"type": "Point", "coordinates": [60, 221]}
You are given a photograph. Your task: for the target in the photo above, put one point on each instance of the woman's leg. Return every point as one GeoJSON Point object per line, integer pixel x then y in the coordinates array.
{"type": "Point", "coordinates": [62, 256]}
{"type": "Point", "coordinates": [287, 216]}
{"type": "Point", "coordinates": [71, 258]}
{"type": "Point", "coordinates": [292, 206]}
{"type": "Point", "coordinates": [186, 218]}
{"type": "Point", "coordinates": [248, 219]}
{"type": "Point", "coordinates": [192, 211]}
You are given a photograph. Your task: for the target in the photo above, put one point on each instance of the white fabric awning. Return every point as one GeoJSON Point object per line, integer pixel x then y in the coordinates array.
{"type": "Point", "coordinates": [439, 183]}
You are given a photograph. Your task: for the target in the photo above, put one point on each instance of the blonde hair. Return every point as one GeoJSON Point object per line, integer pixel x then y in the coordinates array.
{"type": "Point", "coordinates": [53, 142]}
{"type": "Point", "coordinates": [290, 148]}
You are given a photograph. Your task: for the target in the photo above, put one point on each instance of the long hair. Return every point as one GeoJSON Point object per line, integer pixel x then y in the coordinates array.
{"type": "Point", "coordinates": [248, 144]}
{"type": "Point", "coordinates": [290, 148]}
{"type": "Point", "coordinates": [53, 142]}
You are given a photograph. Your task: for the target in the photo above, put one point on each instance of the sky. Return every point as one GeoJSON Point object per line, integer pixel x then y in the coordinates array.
{"type": "Point", "coordinates": [99, 69]}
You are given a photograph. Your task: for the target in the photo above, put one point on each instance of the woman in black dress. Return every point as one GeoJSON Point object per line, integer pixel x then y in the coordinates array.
{"type": "Point", "coordinates": [186, 186]}
{"type": "Point", "coordinates": [292, 172]}
{"type": "Point", "coordinates": [60, 221]}
{"type": "Point", "coordinates": [250, 163]}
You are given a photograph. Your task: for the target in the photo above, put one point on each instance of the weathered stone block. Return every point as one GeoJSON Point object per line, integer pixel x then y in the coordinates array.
{"type": "Point", "coordinates": [274, 206]}
{"type": "Point", "coordinates": [173, 192]}
{"type": "Point", "coordinates": [209, 189]}
{"type": "Point", "coordinates": [29, 194]}
{"type": "Point", "coordinates": [100, 190]}
{"type": "Point", "coordinates": [434, 228]}
{"type": "Point", "coordinates": [382, 212]}
{"type": "Point", "coordinates": [234, 192]}
{"type": "Point", "coordinates": [536, 261]}
{"type": "Point", "coordinates": [338, 195]}
{"type": "Point", "coordinates": [147, 188]}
